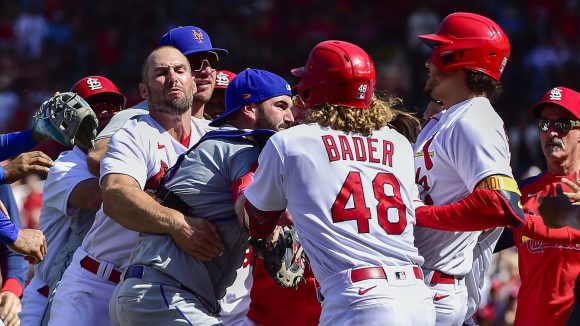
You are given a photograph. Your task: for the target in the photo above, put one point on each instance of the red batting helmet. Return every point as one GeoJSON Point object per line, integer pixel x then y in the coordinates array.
{"type": "Point", "coordinates": [338, 73]}
{"type": "Point", "coordinates": [469, 41]}
{"type": "Point", "coordinates": [91, 86]}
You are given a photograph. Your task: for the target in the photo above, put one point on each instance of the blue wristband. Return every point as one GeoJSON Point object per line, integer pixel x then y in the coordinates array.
{"type": "Point", "coordinates": [8, 231]}
{"type": "Point", "coordinates": [2, 175]}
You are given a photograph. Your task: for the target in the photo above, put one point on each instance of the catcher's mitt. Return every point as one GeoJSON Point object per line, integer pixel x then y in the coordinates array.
{"type": "Point", "coordinates": [67, 116]}
{"type": "Point", "coordinates": [284, 260]}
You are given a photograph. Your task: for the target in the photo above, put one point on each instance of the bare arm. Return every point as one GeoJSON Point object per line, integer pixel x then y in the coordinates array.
{"type": "Point", "coordinates": [86, 195]}
{"type": "Point", "coordinates": [95, 156]}
{"type": "Point", "coordinates": [128, 205]}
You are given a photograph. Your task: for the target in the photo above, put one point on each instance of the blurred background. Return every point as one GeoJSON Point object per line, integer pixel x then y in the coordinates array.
{"type": "Point", "coordinates": [46, 46]}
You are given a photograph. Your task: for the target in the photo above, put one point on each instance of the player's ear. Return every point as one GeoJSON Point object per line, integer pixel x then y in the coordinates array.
{"type": "Point", "coordinates": [249, 111]}
{"type": "Point", "coordinates": [143, 91]}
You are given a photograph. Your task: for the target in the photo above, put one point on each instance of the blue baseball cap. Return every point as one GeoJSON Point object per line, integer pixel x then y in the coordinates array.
{"type": "Point", "coordinates": [190, 40]}
{"type": "Point", "coordinates": [250, 86]}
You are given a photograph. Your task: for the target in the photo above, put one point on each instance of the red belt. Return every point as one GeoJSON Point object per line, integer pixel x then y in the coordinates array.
{"type": "Point", "coordinates": [44, 291]}
{"type": "Point", "coordinates": [442, 278]}
{"type": "Point", "coordinates": [92, 266]}
{"type": "Point", "coordinates": [365, 273]}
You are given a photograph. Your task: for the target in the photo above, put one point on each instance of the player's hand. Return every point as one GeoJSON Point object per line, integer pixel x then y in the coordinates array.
{"type": "Point", "coordinates": [555, 209]}
{"type": "Point", "coordinates": [30, 242]}
{"type": "Point", "coordinates": [575, 186]}
{"type": "Point", "coordinates": [10, 306]}
{"type": "Point", "coordinates": [199, 238]}
{"type": "Point", "coordinates": [25, 164]}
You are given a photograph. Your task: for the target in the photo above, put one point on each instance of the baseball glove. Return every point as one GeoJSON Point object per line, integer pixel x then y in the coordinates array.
{"type": "Point", "coordinates": [284, 259]}
{"type": "Point", "coordinates": [66, 117]}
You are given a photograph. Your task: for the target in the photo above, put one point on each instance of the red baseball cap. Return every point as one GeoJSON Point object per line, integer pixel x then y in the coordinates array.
{"type": "Point", "coordinates": [561, 96]}
{"type": "Point", "coordinates": [223, 79]}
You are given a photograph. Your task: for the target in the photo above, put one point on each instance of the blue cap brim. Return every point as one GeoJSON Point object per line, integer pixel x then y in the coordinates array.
{"type": "Point", "coordinates": [220, 52]}
{"type": "Point", "coordinates": [221, 119]}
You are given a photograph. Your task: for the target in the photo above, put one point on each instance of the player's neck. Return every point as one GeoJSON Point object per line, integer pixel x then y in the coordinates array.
{"type": "Point", "coordinates": [178, 126]}
{"type": "Point", "coordinates": [197, 109]}
{"type": "Point", "coordinates": [563, 167]}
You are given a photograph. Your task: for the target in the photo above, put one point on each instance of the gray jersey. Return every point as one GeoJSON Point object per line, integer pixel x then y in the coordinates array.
{"type": "Point", "coordinates": [203, 182]}
{"type": "Point", "coordinates": [119, 119]}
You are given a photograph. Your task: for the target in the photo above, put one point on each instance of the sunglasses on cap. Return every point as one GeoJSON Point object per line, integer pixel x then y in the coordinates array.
{"type": "Point", "coordinates": [558, 125]}
{"type": "Point", "coordinates": [200, 60]}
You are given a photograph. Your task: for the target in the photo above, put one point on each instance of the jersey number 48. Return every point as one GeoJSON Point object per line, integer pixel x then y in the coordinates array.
{"type": "Point", "coordinates": [361, 213]}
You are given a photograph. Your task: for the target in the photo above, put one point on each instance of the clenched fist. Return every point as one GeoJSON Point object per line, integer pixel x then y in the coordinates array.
{"type": "Point", "coordinates": [25, 164]}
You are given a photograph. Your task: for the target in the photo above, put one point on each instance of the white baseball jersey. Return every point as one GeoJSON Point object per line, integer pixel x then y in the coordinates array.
{"type": "Point", "coordinates": [453, 153]}
{"type": "Point", "coordinates": [55, 216]}
{"type": "Point", "coordinates": [350, 196]}
{"type": "Point", "coordinates": [142, 149]}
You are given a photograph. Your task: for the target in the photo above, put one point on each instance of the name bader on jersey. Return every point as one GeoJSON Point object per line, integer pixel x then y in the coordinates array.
{"type": "Point", "coordinates": [357, 148]}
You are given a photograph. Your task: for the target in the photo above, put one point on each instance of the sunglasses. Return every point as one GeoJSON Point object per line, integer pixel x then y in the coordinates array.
{"type": "Point", "coordinates": [558, 125]}
{"type": "Point", "coordinates": [199, 61]}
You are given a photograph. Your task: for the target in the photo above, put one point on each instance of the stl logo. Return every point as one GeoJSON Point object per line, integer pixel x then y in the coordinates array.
{"type": "Point", "coordinates": [94, 84]}
{"type": "Point", "coordinates": [198, 36]}
{"type": "Point", "coordinates": [222, 79]}
{"type": "Point", "coordinates": [555, 94]}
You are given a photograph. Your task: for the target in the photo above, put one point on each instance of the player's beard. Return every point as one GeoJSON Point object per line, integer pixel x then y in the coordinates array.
{"type": "Point", "coordinates": [175, 106]}
{"type": "Point", "coordinates": [263, 121]}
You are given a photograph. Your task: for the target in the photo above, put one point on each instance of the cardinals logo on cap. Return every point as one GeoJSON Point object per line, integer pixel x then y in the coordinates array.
{"type": "Point", "coordinates": [555, 94]}
{"type": "Point", "coordinates": [94, 84]}
{"type": "Point", "coordinates": [222, 79]}
{"type": "Point", "coordinates": [198, 36]}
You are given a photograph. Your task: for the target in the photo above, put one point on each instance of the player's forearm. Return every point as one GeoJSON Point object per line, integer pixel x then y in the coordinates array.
{"type": "Point", "coordinates": [95, 156]}
{"type": "Point", "coordinates": [138, 211]}
{"type": "Point", "coordinates": [86, 195]}
{"type": "Point", "coordinates": [535, 228]}
{"type": "Point", "coordinates": [480, 210]}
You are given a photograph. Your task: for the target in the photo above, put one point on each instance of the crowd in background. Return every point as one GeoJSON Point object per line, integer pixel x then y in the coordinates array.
{"type": "Point", "coordinates": [47, 45]}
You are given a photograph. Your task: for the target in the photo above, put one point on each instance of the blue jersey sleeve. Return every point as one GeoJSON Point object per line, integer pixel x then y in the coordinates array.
{"type": "Point", "coordinates": [13, 265]}
{"type": "Point", "coordinates": [14, 143]}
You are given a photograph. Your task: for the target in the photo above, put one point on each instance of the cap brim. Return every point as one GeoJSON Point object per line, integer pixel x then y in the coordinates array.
{"type": "Point", "coordinates": [220, 52]}
{"type": "Point", "coordinates": [434, 40]}
{"type": "Point", "coordinates": [536, 110]}
{"type": "Point", "coordinates": [221, 119]}
{"type": "Point", "coordinates": [298, 71]}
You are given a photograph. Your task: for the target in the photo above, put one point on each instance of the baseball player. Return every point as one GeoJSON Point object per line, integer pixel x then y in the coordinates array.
{"type": "Point", "coordinates": [216, 105]}
{"type": "Point", "coordinates": [137, 157]}
{"type": "Point", "coordinates": [265, 291]}
{"type": "Point", "coordinates": [549, 266]}
{"type": "Point", "coordinates": [345, 179]}
{"type": "Point", "coordinates": [464, 148]}
{"type": "Point", "coordinates": [70, 199]}
{"type": "Point", "coordinates": [205, 183]}
{"type": "Point", "coordinates": [204, 59]}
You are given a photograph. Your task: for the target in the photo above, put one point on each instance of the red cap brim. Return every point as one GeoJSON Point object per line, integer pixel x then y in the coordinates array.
{"type": "Point", "coordinates": [298, 71]}
{"type": "Point", "coordinates": [433, 40]}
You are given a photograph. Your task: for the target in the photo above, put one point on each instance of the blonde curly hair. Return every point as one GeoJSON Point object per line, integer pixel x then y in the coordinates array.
{"type": "Point", "coordinates": [381, 113]}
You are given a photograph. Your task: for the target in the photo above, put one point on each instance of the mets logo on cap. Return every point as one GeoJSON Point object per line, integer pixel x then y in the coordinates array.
{"type": "Point", "coordinates": [197, 35]}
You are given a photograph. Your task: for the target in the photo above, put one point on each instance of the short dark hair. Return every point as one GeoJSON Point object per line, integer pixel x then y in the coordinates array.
{"type": "Point", "coordinates": [481, 83]}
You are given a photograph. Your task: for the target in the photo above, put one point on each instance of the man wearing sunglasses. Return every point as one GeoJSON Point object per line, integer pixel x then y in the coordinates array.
{"type": "Point", "coordinates": [550, 265]}
{"type": "Point", "coordinates": [204, 60]}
